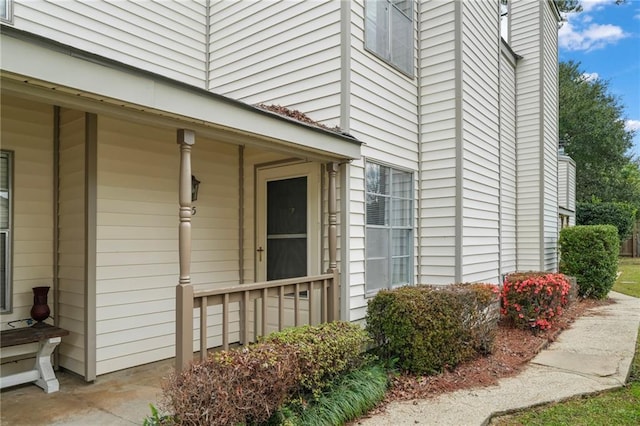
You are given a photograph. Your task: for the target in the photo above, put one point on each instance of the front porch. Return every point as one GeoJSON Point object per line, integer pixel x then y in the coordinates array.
{"type": "Point", "coordinates": [95, 189]}
{"type": "Point", "coordinates": [119, 398]}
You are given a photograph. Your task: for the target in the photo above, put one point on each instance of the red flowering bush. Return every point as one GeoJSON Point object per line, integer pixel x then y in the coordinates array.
{"type": "Point", "coordinates": [534, 300]}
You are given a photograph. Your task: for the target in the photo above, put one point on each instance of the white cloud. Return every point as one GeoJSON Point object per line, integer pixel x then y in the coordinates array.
{"type": "Point", "coordinates": [575, 36]}
{"type": "Point", "coordinates": [589, 5]}
{"type": "Point", "coordinates": [580, 32]}
{"type": "Point", "coordinates": [590, 76]}
{"type": "Point", "coordinates": [632, 125]}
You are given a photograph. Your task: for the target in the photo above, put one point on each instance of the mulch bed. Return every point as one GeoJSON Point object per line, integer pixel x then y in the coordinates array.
{"type": "Point", "coordinates": [513, 348]}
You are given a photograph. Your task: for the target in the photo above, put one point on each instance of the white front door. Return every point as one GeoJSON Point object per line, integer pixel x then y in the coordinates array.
{"type": "Point", "coordinates": [288, 221]}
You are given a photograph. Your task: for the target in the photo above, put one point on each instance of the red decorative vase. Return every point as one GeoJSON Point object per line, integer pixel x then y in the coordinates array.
{"type": "Point", "coordinates": [40, 310]}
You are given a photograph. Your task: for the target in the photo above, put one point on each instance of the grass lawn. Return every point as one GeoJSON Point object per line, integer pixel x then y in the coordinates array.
{"type": "Point", "coordinates": [629, 280]}
{"type": "Point", "coordinates": [619, 407]}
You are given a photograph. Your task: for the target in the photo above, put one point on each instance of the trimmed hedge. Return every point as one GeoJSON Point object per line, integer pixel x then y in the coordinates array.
{"type": "Point", "coordinates": [590, 253]}
{"type": "Point", "coordinates": [428, 328]}
{"type": "Point", "coordinates": [325, 351]}
{"type": "Point", "coordinates": [620, 215]}
{"type": "Point", "coordinates": [233, 387]}
{"type": "Point", "coordinates": [249, 385]}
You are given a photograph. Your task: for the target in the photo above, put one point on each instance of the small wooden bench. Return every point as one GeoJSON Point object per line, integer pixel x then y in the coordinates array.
{"type": "Point", "coordinates": [42, 373]}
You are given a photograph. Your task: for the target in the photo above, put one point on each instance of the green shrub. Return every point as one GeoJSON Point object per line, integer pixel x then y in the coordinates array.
{"type": "Point", "coordinates": [590, 253]}
{"type": "Point", "coordinates": [325, 351]}
{"type": "Point", "coordinates": [351, 396]}
{"type": "Point", "coordinates": [429, 328]}
{"type": "Point", "coordinates": [233, 387]}
{"type": "Point", "coordinates": [534, 300]}
{"type": "Point", "coordinates": [620, 215]}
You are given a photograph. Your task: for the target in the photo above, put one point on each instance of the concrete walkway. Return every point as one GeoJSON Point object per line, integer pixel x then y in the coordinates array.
{"type": "Point", "coordinates": [593, 355]}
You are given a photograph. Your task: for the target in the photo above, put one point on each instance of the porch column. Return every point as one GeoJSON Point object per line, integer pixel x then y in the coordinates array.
{"type": "Point", "coordinates": [333, 303]}
{"type": "Point", "coordinates": [184, 289]}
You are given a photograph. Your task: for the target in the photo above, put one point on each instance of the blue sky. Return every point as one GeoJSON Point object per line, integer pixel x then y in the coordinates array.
{"type": "Point", "coordinates": [605, 39]}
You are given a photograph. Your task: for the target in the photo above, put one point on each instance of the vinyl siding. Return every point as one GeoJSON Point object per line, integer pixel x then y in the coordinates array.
{"type": "Point", "coordinates": [438, 142]}
{"type": "Point", "coordinates": [480, 141]}
{"type": "Point", "coordinates": [383, 109]}
{"type": "Point", "coordinates": [163, 37]}
{"type": "Point", "coordinates": [27, 130]}
{"type": "Point", "coordinates": [137, 247]}
{"type": "Point", "coordinates": [526, 41]}
{"type": "Point", "coordinates": [508, 229]}
{"type": "Point", "coordinates": [72, 238]}
{"type": "Point", "coordinates": [357, 303]}
{"type": "Point", "coordinates": [383, 114]}
{"type": "Point", "coordinates": [550, 136]}
{"type": "Point", "coordinates": [284, 53]}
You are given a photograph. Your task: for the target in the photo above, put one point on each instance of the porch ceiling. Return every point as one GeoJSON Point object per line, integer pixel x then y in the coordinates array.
{"type": "Point", "coordinates": [48, 72]}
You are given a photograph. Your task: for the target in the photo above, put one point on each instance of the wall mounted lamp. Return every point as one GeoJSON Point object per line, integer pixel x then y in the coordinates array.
{"type": "Point", "coordinates": [195, 185]}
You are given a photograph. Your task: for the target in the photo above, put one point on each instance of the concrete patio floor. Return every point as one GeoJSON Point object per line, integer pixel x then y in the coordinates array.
{"type": "Point", "coordinates": [120, 398]}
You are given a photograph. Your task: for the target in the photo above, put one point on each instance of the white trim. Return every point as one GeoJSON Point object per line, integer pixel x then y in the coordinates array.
{"type": "Point", "coordinates": [264, 175]}
{"type": "Point", "coordinates": [8, 237]}
{"type": "Point", "coordinates": [87, 78]}
{"type": "Point", "coordinates": [7, 13]}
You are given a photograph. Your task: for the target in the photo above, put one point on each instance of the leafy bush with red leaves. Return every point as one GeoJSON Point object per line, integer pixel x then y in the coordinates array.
{"type": "Point", "coordinates": [233, 387]}
{"type": "Point", "coordinates": [534, 300]}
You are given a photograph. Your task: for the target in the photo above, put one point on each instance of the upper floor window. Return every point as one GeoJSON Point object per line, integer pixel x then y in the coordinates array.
{"type": "Point", "coordinates": [504, 19]}
{"type": "Point", "coordinates": [389, 231]}
{"type": "Point", "coordinates": [5, 230]}
{"type": "Point", "coordinates": [6, 11]}
{"type": "Point", "coordinates": [388, 32]}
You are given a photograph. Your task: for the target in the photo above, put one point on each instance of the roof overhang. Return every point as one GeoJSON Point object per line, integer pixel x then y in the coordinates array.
{"type": "Point", "coordinates": [47, 71]}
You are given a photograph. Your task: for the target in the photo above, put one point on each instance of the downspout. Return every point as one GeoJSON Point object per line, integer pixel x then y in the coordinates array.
{"type": "Point", "coordinates": [541, 187]}
{"type": "Point", "coordinates": [499, 44]}
{"type": "Point", "coordinates": [420, 142]}
{"type": "Point", "coordinates": [91, 205]}
{"type": "Point", "coordinates": [207, 47]}
{"type": "Point", "coordinates": [56, 223]}
{"type": "Point", "coordinates": [241, 214]}
{"type": "Point", "coordinates": [458, 138]}
{"type": "Point", "coordinates": [345, 169]}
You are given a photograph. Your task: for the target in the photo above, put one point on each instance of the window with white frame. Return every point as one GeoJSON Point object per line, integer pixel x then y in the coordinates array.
{"type": "Point", "coordinates": [5, 230]}
{"type": "Point", "coordinates": [389, 230]}
{"type": "Point", "coordinates": [388, 30]}
{"type": "Point", "coordinates": [6, 11]}
{"type": "Point", "coordinates": [504, 19]}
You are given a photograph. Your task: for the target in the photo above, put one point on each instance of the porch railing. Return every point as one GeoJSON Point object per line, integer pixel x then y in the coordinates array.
{"type": "Point", "coordinates": [321, 297]}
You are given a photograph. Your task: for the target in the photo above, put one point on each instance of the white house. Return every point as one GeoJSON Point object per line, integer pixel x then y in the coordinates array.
{"type": "Point", "coordinates": [445, 167]}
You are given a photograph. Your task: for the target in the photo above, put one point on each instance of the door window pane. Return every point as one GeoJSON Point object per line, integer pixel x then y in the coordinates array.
{"type": "Point", "coordinates": [287, 228]}
{"type": "Point", "coordinates": [286, 258]}
{"type": "Point", "coordinates": [287, 206]}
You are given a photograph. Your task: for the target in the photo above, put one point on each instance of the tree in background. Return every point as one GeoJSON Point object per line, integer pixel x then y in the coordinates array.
{"type": "Point", "coordinates": [591, 127]}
